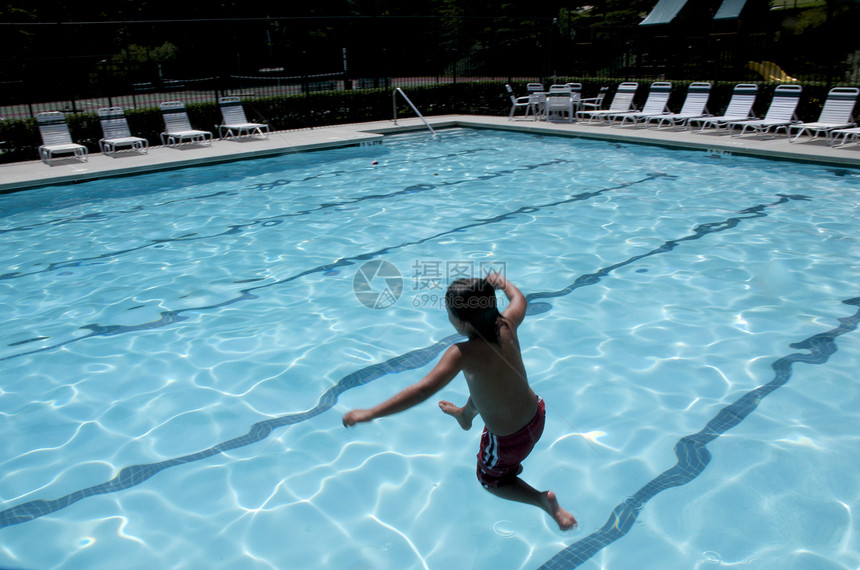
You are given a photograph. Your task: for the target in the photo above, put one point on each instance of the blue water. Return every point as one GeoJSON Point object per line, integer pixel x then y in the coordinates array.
{"type": "Point", "coordinates": [178, 348]}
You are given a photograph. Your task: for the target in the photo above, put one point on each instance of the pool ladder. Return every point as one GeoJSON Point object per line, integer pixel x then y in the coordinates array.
{"type": "Point", "coordinates": [414, 108]}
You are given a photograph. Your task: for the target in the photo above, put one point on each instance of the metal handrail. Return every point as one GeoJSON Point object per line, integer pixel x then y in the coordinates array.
{"type": "Point", "coordinates": [414, 108]}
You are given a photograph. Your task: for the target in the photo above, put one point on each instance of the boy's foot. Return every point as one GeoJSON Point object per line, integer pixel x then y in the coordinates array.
{"type": "Point", "coordinates": [457, 413]}
{"type": "Point", "coordinates": [565, 520]}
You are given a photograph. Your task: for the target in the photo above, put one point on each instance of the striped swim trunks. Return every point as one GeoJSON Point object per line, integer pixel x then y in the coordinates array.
{"type": "Point", "coordinates": [500, 458]}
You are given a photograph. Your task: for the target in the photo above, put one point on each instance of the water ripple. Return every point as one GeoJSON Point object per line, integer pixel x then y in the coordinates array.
{"type": "Point", "coordinates": [137, 474]}
{"type": "Point", "coordinates": [691, 451]}
{"type": "Point", "coordinates": [237, 228]}
{"type": "Point", "coordinates": [175, 316]}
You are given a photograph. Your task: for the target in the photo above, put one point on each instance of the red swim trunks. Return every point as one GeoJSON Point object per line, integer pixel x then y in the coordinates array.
{"type": "Point", "coordinates": [500, 458]}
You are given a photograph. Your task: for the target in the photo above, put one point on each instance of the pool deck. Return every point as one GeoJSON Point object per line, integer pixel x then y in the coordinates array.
{"type": "Point", "coordinates": [30, 174]}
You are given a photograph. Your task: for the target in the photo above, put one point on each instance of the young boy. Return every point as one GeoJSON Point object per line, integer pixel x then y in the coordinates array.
{"type": "Point", "coordinates": [498, 390]}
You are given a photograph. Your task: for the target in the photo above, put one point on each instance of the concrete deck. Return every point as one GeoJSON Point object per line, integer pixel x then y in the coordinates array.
{"type": "Point", "coordinates": [23, 175]}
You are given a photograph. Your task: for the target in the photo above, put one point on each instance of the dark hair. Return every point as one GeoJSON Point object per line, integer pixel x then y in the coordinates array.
{"type": "Point", "coordinates": [474, 301]}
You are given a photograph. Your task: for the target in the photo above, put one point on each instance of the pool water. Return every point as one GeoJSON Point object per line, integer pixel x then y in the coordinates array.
{"type": "Point", "coordinates": [178, 350]}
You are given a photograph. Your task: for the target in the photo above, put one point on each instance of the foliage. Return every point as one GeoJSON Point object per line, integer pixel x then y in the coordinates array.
{"type": "Point", "coordinates": [136, 55]}
{"type": "Point", "coordinates": [797, 24]}
{"type": "Point", "coordinates": [852, 74]}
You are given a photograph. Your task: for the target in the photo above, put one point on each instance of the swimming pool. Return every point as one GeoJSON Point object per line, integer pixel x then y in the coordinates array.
{"type": "Point", "coordinates": [178, 349]}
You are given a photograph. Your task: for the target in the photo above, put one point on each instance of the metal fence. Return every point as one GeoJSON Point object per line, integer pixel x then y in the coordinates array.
{"type": "Point", "coordinates": [193, 90]}
{"type": "Point", "coordinates": [208, 90]}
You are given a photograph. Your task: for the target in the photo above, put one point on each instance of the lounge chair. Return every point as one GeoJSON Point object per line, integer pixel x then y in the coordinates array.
{"type": "Point", "coordinates": [517, 103]}
{"type": "Point", "coordinates": [780, 114]}
{"type": "Point", "coordinates": [56, 137]}
{"type": "Point", "coordinates": [534, 87]}
{"type": "Point", "coordinates": [116, 132]}
{"type": "Point", "coordinates": [838, 113]}
{"type": "Point", "coordinates": [655, 104]}
{"type": "Point", "coordinates": [846, 134]}
{"type": "Point", "coordinates": [177, 127]}
{"type": "Point", "coordinates": [559, 102]}
{"type": "Point", "coordinates": [740, 107]}
{"type": "Point", "coordinates": [235, 124]}
{"type": "Point", "coordinates": [621, 102]}
{"type": "Point", "coordinates": [694, 107]}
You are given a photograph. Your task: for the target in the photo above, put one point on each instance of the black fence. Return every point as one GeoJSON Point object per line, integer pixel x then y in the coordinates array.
{"type": "Point", "coordinates": [79, 67]}
{"type": "Point", "coordinates": [209, 89]}
{"type": "Point", "coordinates": [150, 94]}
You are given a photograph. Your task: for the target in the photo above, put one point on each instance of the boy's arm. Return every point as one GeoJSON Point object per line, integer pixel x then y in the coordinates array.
{"type": "Point", "coordinates": [515, 312]}
{"type": "Point", "coordinates": [445, 370]}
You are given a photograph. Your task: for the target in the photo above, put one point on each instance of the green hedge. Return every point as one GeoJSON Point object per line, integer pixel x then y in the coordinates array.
{"type": "Point", "coordinates": [339, 107]}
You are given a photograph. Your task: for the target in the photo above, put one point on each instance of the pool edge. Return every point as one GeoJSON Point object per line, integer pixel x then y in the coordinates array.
{"type": "Point", "coordinates": [32, 174]}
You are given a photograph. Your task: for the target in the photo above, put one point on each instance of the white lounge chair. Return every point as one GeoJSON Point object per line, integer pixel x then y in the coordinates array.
{"type": "Point", "coordinates": [621, 102]}
{"type": "Point", "coordinates": [116, 132]}
{"type": "Point", "coordinates": [177, 127]}
{"type": "Point", "coordinates": [517, 103]}
{"type": "Point", "coordinates": [847, 135]}
{"type": "Point", "coordinates": [655, 104]}
{"type": "Point", "coordinates": [780, 114]}
{"type": "Point", "coordinates": [739, 108]}
{"type": "Point", "coordinates": [837, 113]}
{"type": "Point", "coordinates": [695, 106]}
{"type": "Point", "coordinates": [56, 137]}
{"type": "Point", "coordinates": [559, 102]}
{"type": "Point", "coordinates": [235, 124]}
{"type": "Point", "coordinates": [533, 87]}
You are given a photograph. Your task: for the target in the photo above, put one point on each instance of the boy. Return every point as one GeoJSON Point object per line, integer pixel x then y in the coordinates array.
{"type": "Point", "coordinates": [498, 390]}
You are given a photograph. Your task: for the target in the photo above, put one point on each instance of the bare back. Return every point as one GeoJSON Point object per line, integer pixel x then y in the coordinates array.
{"type": "Point", "coordinates": [497, 381]}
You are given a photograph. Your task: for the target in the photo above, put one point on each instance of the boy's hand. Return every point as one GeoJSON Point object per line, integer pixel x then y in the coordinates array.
{"type": "Point", "coordinates": [356, 416]}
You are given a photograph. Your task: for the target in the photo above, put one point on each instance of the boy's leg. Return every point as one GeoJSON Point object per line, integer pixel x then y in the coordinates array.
{"type": "Point", "coordinates": [464, 415]}
{"type": "Point", "coordinates": [522, 492]}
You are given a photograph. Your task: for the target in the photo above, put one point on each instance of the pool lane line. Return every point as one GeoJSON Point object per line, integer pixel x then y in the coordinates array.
{"type": "Point", "coordinates": [699, 231]}
{"type": "Point", "coordinates": [136, 474]}
{"type": "Point", "coordinates": [234, 229]}
{"type": "Point", "coordinates": [691, 450]}
{"type": "Point", "coordinates": [170, 317]}
{"type": "Point", "coordinates": [261, 186]}
{"type": "Point", "coordinates": [265, 186]}
{"type": "Point", "coordinates": [107, 215]}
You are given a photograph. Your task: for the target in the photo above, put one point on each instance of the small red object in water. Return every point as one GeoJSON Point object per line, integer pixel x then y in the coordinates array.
{"type": "Point", "coordinates": [375, 162]}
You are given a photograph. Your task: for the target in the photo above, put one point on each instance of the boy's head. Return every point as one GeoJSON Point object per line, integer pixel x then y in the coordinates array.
{"type": "Point", "coordinates": [473, 302]}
